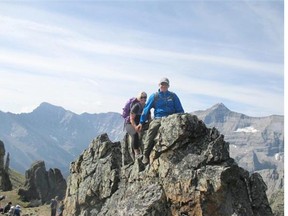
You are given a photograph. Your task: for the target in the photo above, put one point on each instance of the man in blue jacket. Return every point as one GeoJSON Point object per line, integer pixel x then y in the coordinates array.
{"type": "Point", "coordinates": [164, 103]}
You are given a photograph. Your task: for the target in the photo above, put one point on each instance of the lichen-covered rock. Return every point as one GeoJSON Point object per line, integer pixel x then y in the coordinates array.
{"type": "Point", "coordinates": [94, 177]}
{"type": "Point", "coordinates": [190, 173]}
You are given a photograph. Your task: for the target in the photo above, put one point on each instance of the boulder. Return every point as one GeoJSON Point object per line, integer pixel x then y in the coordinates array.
{"type": "Point", "coordinates": [190, 173]}
{"type": "Point", "coordinates": [41, 185]}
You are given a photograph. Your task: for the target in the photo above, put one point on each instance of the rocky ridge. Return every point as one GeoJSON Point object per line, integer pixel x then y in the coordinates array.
{"type": "Point", "coordinates": [41, 185]}
{"type": "Point", "coordinates": [190, 173]}
{"type": "Point", "coordinates": [51, 129]}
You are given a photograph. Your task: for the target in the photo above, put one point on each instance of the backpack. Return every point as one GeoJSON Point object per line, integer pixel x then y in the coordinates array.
{"type": "Point", "coordinates": [127, 108]}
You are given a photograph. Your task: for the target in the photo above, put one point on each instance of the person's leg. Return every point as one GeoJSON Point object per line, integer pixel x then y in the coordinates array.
{"type": "Point", "coordinates": [134, 138]}
{"type": "Point", "coordinates": [131, 131]}
{"type": "Point", "coordinates": [136, 144]}
{"type": "Point", "coordinates": [53, 212]}
{"type": "Point", "coordinates": [149, 141]}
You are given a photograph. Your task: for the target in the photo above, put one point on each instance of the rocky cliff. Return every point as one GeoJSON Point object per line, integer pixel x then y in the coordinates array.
{"type": "Point", "coordinates": [41, 185]}
{"type": "Point", "coordinates": [256, 143]}
{"type": "Point", "coordinates": [190, 173]}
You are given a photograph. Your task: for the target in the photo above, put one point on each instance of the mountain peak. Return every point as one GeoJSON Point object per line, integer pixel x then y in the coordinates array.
{"type": "Point", "coordinates": [216, 113]}
{"type": "Point", "coordinates": [220, 107]}
{"type": "Point", "coordinates": [47, 107]}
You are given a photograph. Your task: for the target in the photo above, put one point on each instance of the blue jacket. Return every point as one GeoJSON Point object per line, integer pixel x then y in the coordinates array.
{"type": "Point", "coordinates": [17, 212]}
{"type": "Point", "coordinates": [166, 104]}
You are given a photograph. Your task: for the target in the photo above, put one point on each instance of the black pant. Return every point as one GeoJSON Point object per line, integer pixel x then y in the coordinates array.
{"type": "Point", "coordinates": [135, 141]}
{"type": "Point", "coordinates": [53, 212]}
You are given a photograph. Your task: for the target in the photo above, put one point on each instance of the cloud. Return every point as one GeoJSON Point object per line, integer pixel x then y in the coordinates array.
{"type": "Point", "coordinates": [196, 47]}
{"type": "Point", "coordinates": [65, 41]}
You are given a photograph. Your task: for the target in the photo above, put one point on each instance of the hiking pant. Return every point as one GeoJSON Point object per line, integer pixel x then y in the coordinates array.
{"type": "Point", "coordinates": [151, 134]}
{"type": "Point", "coordinates": [53, 212]}
{"type": "Point", "coordinates": [135, 142]}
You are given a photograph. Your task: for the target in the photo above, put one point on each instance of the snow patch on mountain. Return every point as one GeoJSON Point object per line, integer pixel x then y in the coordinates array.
{"type": "Point", "coordinates": [53, 138]}
{"type": "Point", "coordinates": [247, 130]}
{"type": "Point", "coordinates": [18, 131]}
{"type": "Point", "coordinates": [66, 118]}
{"type": "Point", "coordinates": [279, 156]}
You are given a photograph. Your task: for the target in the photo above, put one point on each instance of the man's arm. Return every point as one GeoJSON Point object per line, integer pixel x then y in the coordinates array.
{"type": "Point", "coordinates": [178, 105]}
{"type": "Point", "coordinates": [147, 109]}
{"type": "Point", "coordinates": [146, 112]}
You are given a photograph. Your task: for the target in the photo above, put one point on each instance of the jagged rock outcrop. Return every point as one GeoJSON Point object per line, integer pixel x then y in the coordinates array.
{"type": "Point", "coordinates": [190, 173]}
{"type": "Point", "coordinates": [42, 185]}
{"type": "Point", "coordinates": [2, 154]}
{"type": "Point", "coordinates": [256, 143]}
{"type": "Point", "coordinates": [5, 183]}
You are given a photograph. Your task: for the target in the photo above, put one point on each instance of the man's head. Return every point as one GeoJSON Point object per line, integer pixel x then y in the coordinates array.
{"type": "Point", "coordinates": [164, 84]}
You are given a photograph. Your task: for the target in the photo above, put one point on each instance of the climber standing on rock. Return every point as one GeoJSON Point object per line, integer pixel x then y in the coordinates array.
{"type": "Point", "coordinates": [164, 103]}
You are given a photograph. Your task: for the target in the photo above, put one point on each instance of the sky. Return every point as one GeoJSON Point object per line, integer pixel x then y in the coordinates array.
{"type": "Point", "coordinates": [92, 56]}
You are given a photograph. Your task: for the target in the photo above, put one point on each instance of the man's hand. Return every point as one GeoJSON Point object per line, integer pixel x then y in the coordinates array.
{"type": "Point", "coordinates": [139, 127]}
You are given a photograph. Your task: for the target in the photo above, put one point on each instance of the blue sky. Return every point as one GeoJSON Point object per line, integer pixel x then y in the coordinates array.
{"type": "Point", "coordinates": [91, 56]}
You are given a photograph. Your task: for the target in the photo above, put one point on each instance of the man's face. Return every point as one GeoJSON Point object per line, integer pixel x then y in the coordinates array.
{"type": "Point", "coordinates": [163, 87]}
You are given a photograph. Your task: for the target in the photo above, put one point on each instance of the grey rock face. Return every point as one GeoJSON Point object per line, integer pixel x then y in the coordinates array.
{"type": "Point", "coordinates": [190, 173]}
{"type": "Point", "coordinates": [42, 185]}
{"type": "Point", "coordinates": [256, 143]}
{"type": "Point", "coordinates": [2, 154]}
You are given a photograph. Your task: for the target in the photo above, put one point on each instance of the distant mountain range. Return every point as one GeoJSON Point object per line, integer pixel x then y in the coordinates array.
{"type": "Point", "coordinates": [58, 136]}
{"type": "Point", "coordinates": [257, 138]}
{"type": "Point", "coordinates": [53, 134]}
